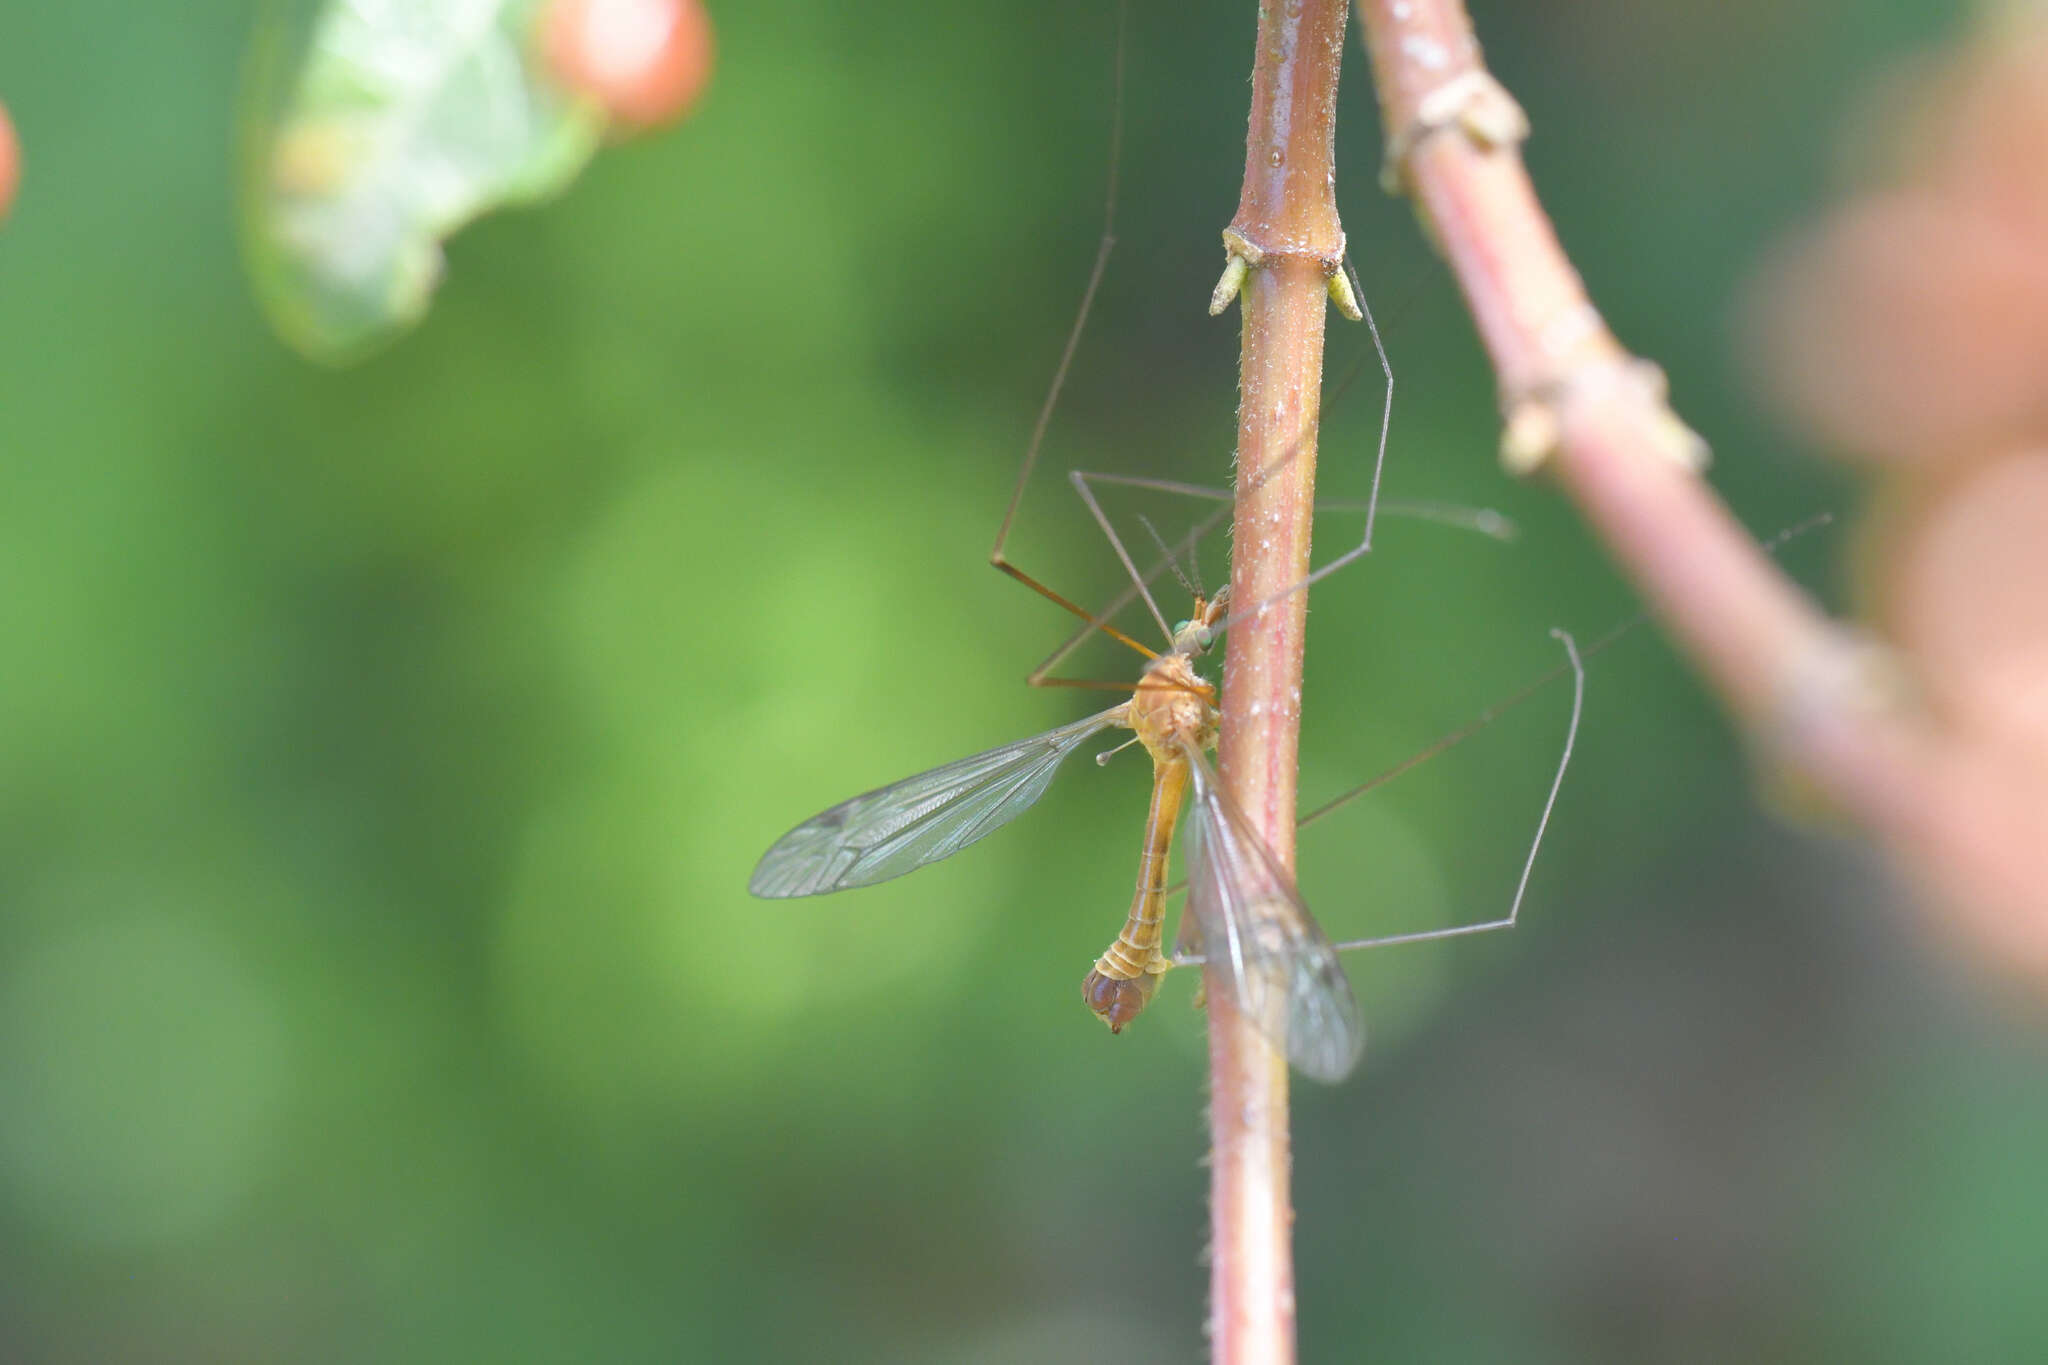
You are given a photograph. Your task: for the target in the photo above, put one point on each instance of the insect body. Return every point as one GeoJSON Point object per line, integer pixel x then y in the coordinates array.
{"type": "Point", "coordinates": [1244, 915]}
{"type": "Point", "coordinates": [1173, 713]}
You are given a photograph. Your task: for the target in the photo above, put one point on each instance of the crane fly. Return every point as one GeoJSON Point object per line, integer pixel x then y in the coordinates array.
{"type": "Point", "coordinates": [1244, 913]}
{"type": "Point", "coordinates": [1244, 919]}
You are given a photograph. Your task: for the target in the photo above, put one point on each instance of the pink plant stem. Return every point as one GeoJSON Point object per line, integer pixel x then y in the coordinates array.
{"type": "Point", "coordinates": [1252, 1272]}
{"type": "Point", "coordinates": [1818, 702]}
{"type": "Point", "coordinates": [1285, 243]}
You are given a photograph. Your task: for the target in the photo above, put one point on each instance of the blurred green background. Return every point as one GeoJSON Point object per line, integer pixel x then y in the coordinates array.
{"type": "Point", "coordinates": [383, 752]}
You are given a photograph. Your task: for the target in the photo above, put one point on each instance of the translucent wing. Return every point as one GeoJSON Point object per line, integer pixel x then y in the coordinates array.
{"type": "Point", "coordinates": [901, 827]}
{"type": "Point", "coordinates": [1245, 918]}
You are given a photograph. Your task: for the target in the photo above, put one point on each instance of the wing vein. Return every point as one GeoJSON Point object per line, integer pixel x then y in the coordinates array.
{"type": "Point", "coordinates": [1240, 896]}
{"type": "Point", "coordinates": [921, 819]}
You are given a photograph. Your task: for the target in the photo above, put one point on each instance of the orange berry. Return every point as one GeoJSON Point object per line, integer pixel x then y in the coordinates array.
{"type": "Point", "coordinates": [10, 162]}
{"type": "Point", "coordinates": [644, 62]}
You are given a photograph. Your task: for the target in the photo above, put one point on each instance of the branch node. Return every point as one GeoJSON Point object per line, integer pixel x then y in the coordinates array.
{"type": "Point", "coordinates": [1844, 680]}
{"type": "Point", "coordinates": [1530, 437]}
{"type": "Point", "coordinates": [1242, 256]}
{"type": "Point", "coordinates": [1472, 102]}
{"type": "Point", "coordinates": [1536, 418]}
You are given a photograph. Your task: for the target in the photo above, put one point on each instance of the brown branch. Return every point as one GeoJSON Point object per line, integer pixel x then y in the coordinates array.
{"type": "Point", "coordinates": [1822, 703]}
{"type": "Point", "coordinates": [1286, 252]}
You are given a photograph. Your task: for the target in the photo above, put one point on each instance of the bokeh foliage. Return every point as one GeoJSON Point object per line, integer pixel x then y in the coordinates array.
{"type": "Point", "coordinates": [382, 753]}
{"type": "Point", "coordinates": [374, 130]}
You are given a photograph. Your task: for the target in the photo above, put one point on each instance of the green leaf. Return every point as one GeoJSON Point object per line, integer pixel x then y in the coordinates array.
{"type": "Point", "coordinates": [404, 120]}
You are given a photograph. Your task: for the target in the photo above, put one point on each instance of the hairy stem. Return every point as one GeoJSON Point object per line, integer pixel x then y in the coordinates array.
{"type": "Point", "coordinates": [1285, 245]}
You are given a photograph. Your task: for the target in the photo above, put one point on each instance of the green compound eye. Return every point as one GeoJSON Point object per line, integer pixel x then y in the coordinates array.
{"type": "Point", "coordinates": [1180, 628]}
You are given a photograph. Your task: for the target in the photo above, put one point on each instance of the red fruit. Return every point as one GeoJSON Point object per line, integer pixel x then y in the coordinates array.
{"type": "Point", "coordinates": [10, 162]}
{"type": "Point", "coordinates": [644, 62]}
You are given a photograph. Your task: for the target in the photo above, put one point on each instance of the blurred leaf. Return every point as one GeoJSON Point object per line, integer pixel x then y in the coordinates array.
{"type": "Point", "coordinates": [406, 119]}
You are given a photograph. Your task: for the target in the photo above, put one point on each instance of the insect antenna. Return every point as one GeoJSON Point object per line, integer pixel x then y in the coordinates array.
{"type": "Point", "coordinates": [1191, 580]}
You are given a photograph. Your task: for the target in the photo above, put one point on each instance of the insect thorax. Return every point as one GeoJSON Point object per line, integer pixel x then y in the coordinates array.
{"type": "Point", "coordinates": [1173, 706]}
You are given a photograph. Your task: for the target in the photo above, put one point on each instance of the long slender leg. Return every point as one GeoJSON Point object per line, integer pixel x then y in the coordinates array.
{"type": "Point", "coordinates": [1123, 555]}
{"type": "Point", "coordinates": [1575, 664]}
{"type": "Point", "coordinates": [1564, 759]}
{"type": "Point", "coordinates": [1494, 712]}
{"type": "Point", "coordinates": [996, 556]}
{"type": "Point", "coordinates": [1140, 582]}
{"type": "Point", "coordinates": [1484, 520]}
{"type": "Point", "coordinates": [1364, 546]}
{"type": "Point", "coordinates": [1094, 621]}
{"type": "Point", "coordinates": [1471, 727]}
{"type": "Point", "coordinates": [1379, 349]}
